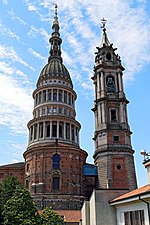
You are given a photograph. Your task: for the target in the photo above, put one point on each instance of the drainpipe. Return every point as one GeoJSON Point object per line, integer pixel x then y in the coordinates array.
{"type": "Point", "coordinates": [148, 209]}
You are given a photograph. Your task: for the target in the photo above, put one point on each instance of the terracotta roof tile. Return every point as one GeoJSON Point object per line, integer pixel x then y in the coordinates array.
{"type": "Point", "coordinates": [70, 215]}
{"type": "Point", "coordinates": [142, 190]}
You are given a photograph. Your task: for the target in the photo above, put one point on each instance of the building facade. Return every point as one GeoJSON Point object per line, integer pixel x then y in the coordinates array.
{"type": "Point", "coordinates": [55, 169]}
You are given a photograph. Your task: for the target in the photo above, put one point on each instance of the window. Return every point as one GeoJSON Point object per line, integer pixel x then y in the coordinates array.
{"type": "Point", "coordinates": [113, 115]}
{"type": "Point", "coordinates": [56, 183]}
{"type": "Point", "coordinates": [60, 96]}
{"type": "Point", "coordinates": [67, 130]}
{"type": "Point", "coordinates": [35, 131]}
{"type": "Point", "coordinates": [56, 161]}
{"type": "Point", "coordinates": [43, 111]}
{"type": "Point", "coordinates": [54, 109]}
{"type": "Point", "coordinates": [60, 110]}
{"type": "Point", "coordinates": [28, 167]}
{"type": "Point", "coordinates": [110, 84]}
{"type": "Point", "coordinates": [44, 96]}
{"type": "Point", "coordinates": [60, 130]}
{"type": "Point", "coordinates": [48, 110]}
{"type": "Point", "coordinates": [134, 217]}
{"type": "Point", "coordinates": [116, 138]}
{"type": "Point", "coordinates": [69, 99]}
{"type": "Point", "coordinates": [54, 95]}
{"type": "Point", "coordinates": [48, 130]}
{"type": "Point", "coordinates": [41, 130]}
{"type": "Point", "coordinates": [65, 96]}
{"type": "Point", "coordinates": [50, 96]}
{"type": "Point", "coordinates": [73, 136]}
{"type": "Point", "coordinates": [54, 130]}
{"type": "Point", "coordinates": [40, 97]}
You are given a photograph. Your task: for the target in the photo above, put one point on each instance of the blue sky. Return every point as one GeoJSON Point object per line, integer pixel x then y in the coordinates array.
{"type": "Point", "coordinates": [24, 47]}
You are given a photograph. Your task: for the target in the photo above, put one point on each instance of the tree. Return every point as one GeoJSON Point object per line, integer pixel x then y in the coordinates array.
{"type": "Point", "coordinates": [20, 209]}
{"type": "Point", "coordinates": [49, 217]}
{"type": "Point", "coordinates": [7, 190]}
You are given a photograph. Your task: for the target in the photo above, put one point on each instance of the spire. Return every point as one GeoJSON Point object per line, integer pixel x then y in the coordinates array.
{"type": "Point", "coordinates": [104, 40]}
{"type": "Point", "coordinates": [55, 40]}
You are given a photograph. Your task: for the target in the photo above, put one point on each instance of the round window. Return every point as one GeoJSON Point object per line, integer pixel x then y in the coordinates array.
{"type": "Point", "coordinates": [118, 167]}
{"type": "Point", "coordinates": [108, 56]}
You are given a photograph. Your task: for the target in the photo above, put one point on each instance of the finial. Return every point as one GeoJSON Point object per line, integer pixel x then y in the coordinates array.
{"type": "Point", "coordinates": [103, 21]}
{"type": "Point", "coordinates": [55, 9]}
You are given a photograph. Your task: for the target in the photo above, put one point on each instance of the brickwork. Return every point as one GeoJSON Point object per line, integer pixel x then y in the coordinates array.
{"type": "Point", "coordinates": [16, 169]}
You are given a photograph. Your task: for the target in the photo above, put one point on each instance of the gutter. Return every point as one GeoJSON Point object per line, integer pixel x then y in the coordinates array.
{"type": "Point", "coordinates": [148, 209]}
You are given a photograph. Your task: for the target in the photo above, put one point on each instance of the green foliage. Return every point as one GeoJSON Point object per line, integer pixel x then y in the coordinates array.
{"type": "Point", "coordinates": [49, 217]}
{"type": "Point", "coordinates": [7, 190]}
{"type": "Point", "coordinates": [20, 209]}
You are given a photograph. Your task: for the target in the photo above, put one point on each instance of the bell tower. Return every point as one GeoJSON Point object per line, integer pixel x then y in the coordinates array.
{"type": "Point", "coordinates": [113, 151]}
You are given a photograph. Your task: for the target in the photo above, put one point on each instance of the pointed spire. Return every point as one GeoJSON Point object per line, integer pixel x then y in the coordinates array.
{"type": "Point", "coordinates": [55, 40]}
{"type": "Point", "coordinates": [104, 40]}
{"type": "Point", "coordinates": [55, 25]}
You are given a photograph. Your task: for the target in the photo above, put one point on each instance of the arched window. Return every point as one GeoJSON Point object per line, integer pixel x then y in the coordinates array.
{"type": "Point", "coordinates": [110, 84]}
{"type": "Point", "coordinates": [56, 161]}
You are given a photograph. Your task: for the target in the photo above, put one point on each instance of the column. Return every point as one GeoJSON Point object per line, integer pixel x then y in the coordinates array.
{"type": "Point", "coordinates": [98, 85]}
{"type": "Point", "coordinates": [75, 135]}
{"type": "Point", "coordinates": [64, 130]}
{"type": "Point", "coordinates": [57, 95]}
{"type": "Point", "coordinates": [120, 84]}
{"type": "Point", "coordinates": [103, 113]}
{"type": "Point", "coordinates": [50, 129]}
{"type": "Point", "coordinates": [57, 129]}
{"type": "Point", "coordinates": [38, 131]}
{"type": "Point", "coordinates": [33, 134]}
{"type": "Point", "coordinates": [43, 130]}
{"type": "Point", "coordinates": [62, 95]}
{"type": "Point", "coordinates": [70, 132]}
{"type": "Point", "coordinates": [46, 95]}
{"type": "Point", "coordinates": [102, 84]}
{"type": "Point", "coordinates": [29, 135]}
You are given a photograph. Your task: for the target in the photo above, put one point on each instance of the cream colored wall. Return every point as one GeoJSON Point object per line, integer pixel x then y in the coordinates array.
{"type": "Point", "coordinates": [131, 207]}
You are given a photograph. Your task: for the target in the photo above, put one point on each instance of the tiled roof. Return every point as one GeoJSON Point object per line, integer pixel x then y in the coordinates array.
{"type": "Point", "coordinates": [139, 191]}
{"type": "Point", "coordinates": [70, 215]}
{"type": "Point", "coordinates": [20, 164]}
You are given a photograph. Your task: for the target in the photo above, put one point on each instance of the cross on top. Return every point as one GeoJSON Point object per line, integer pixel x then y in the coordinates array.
{"type": "Point", "coordinates": [103, 21]}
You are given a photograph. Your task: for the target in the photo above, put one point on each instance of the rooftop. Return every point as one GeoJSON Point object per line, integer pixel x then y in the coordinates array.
{"type": "Point", "coordinates": [139, 191]}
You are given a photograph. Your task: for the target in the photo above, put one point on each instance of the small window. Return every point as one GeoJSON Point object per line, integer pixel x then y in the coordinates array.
{"type": "Point", "coordinates": [60, 110]}
{"type": "Point", "coordinates": [118, 167]}
{"type": "Point", "coordinates": [55, 95]}
{"type": "Point", "coordinates": [54, 110]}
{"type": "Point", "coordinates": [113, 115]}
{"type": "Point", "coordinates": [48, 110]}
{"type": "Point", "coordinates": [116, 138]}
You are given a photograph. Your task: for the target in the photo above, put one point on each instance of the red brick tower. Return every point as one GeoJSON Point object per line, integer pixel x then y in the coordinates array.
{"type": "Point", "coordinates": [113, 151]}
{"type": "Point", "coordinates": [53, 159]}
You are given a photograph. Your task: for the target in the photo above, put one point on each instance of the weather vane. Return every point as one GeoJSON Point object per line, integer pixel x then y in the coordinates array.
{"type": "Point", "coordinates": [103, 21]}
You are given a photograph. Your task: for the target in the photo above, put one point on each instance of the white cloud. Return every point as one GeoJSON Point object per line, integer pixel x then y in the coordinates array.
{"type": "Point", "coordinates": [15, 99]}
{"type": "Point", "coordinates": [6, 31]}
{"type": "Point", "coordinates": [8, 52]}
{"type": "Point", "coordinates": [37, 54]}
{"type": "Point", "coordinates": [31, 8]}
{"type": "Point", "coordinates": [13, 16]}
{"type": "Point", "coordinates": [33, 32]}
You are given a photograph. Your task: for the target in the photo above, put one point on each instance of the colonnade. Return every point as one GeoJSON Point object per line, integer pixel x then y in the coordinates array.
{"type": "Point", "coordinates": [54, 130]}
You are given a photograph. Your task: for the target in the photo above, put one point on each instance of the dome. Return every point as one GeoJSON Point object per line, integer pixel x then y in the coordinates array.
{"type": "Point", "coordinates": [55, 69]}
